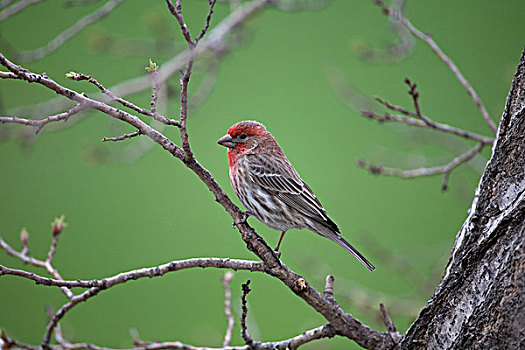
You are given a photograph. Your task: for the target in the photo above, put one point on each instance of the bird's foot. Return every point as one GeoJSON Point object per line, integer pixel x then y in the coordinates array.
{"type": "Point", "coordinates": [277, 253]}
{"type": "Point", "coordinates": [244, 220]}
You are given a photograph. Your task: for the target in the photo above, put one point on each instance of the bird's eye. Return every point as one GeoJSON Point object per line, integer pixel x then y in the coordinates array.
{"type": "Point", "coordinates": [243, 136]}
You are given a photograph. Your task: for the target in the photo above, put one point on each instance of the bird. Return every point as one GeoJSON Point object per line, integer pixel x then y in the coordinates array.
{"type": "Point", "coordinates": [270, 188]}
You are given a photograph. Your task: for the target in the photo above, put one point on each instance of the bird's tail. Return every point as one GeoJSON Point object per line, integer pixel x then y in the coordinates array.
{"type": "Point", "coordinates": [349, 248]}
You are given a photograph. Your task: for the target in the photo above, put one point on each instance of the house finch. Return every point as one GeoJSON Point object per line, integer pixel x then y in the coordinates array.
{"type": "Point", "coordinates": [271, 189]}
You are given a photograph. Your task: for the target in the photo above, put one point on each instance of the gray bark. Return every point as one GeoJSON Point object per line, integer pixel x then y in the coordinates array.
{"type": "Point", "coordinates": [479, 303]}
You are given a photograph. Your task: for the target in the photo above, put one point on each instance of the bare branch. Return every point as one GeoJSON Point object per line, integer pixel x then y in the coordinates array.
{"type": "Point", "coordinates": [244, 331]}
{"type": "Point", "coordinates": [59, 40]}
{"type": "Point", "coordinates": [423, 122]}
{"type": "Point", "coordinates": [40, 123]}
{"type": "Point", "coordinates": [122, 137]}
{"type": "Point", "coordinates": [156, 271]}
{"type": "Point", "coordinates": [207, 23]}
{"type": "Point", "coordinates": [82, 98]}
{"type": "Point", "coordinates": [226, 280]}
{"type": "Point", "coordinates": [13, 10]}
{"type": "Point", "coordinates": [65, 308]}
{"type": "Point", "coordinates": [47, 264]}
{"type": "Point", "coordinates": [363, 105]}
{"type": "Point", "coordinates": [176, 11]}
{"type": "Point", "coordinates": [125, 103]}
{"type": "Point", "coordinates": [390, 327]}
{"type": "Point", "coordinates": [407, 174]}
{"type": "Point", "coordinates": [444, 58]}
{"type": "Point", "coordinates": [154, 73]}
{"type": "Point", "coordinates": [326, 331]}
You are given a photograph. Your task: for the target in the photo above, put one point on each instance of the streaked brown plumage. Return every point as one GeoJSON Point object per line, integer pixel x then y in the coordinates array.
{"type": "Point", "coordinates": [271, 189]}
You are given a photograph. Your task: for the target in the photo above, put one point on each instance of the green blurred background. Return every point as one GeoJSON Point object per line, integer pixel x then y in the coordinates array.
{"type": "Point", "coordinates": [126, 214]}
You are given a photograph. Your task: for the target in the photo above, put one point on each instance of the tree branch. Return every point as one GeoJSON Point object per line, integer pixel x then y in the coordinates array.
{"type": "Point", "coordinates": [150, 272]}
{"type": "Point", "coordinates": [407, 174]}
{"type": "Point", "coordinates": [40, 123]}
{"type": "Point", "coordinates": [426, 122]}
{"type": "Point", "coordinates": [443, 57]}
{"type": "Point", "coordinates": [153, 113]}
{"type": "Point", "coordinates": [244, 329]}
{"type": "Point", "coordinates": [47, 264]}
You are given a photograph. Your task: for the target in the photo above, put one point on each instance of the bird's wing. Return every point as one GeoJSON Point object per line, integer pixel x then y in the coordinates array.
{"type": "Point", "coordinates": [284, 182]}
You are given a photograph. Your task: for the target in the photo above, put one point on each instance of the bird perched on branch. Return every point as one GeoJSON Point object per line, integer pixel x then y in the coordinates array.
{"type": "Point", "coordinates": [271, 189]}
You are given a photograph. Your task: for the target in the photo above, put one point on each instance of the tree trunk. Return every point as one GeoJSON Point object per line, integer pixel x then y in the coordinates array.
{"type": "Point", "coordinates": [479, 303]}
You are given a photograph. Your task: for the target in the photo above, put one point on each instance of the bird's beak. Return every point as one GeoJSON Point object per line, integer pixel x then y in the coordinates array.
{"type": "Point", "coordinates": [226, 141]}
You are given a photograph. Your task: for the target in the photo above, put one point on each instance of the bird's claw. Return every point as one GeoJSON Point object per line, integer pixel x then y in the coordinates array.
{"type": "Point", "coordinates": [244, 220]}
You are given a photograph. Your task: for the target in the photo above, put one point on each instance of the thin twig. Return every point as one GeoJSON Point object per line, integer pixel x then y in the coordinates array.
{"type": "Point", "coordinates": [60, 39]}
{"type": "Point", "coordinates": [65, 308]}
{"type": "Point", "coordinates": [428, 122]}
{"type": "Point", "coordinates": [444, 58]}
{"type": "Point", "coordinates": [244, 331]}
{"type": "Point", "coordinates": [155, 95]}
{"type": "Point", "coordinates": [150, 272]}
{"type": "Point", "coordinates": [47, 264]}
{"type": "Point", "coordinates": [390, 327]}
{"type": "Point", "coordinates": [415, 96]}
{"type": "Point", "coordinates": [40, 123]}
{"type": "Point", "coordinates": [407, 174]}
{"type": "Point", "coordinates": [226, 280]}
{"type": "Point", "coordinates": [125, 103]}
{"type": "Point", "coordinates": [326, 331]}
{"type": "Point", "coordinates": [122, 137]}
{"type": "Point", "coordinates": [176, 11]}
{"type": "Point", "coordinates": [208, 20]}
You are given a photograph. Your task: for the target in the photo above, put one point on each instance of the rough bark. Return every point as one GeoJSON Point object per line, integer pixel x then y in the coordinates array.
{"type": "Point", "coordinates": [479, 303]}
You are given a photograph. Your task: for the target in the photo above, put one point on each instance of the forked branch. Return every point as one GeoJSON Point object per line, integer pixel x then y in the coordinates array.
{"type": "Point", "coordinates": [443, 57]}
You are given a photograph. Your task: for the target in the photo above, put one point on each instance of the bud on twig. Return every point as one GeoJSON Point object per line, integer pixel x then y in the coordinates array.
{"type": "Point", "coordinates": [72, 75]}
{"type": "Point", "coordinates": [58, 225]}
{"type": "Point", "coordinates": [153, 67]}
{"type": "Point", "coordinates": [24, 237]}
